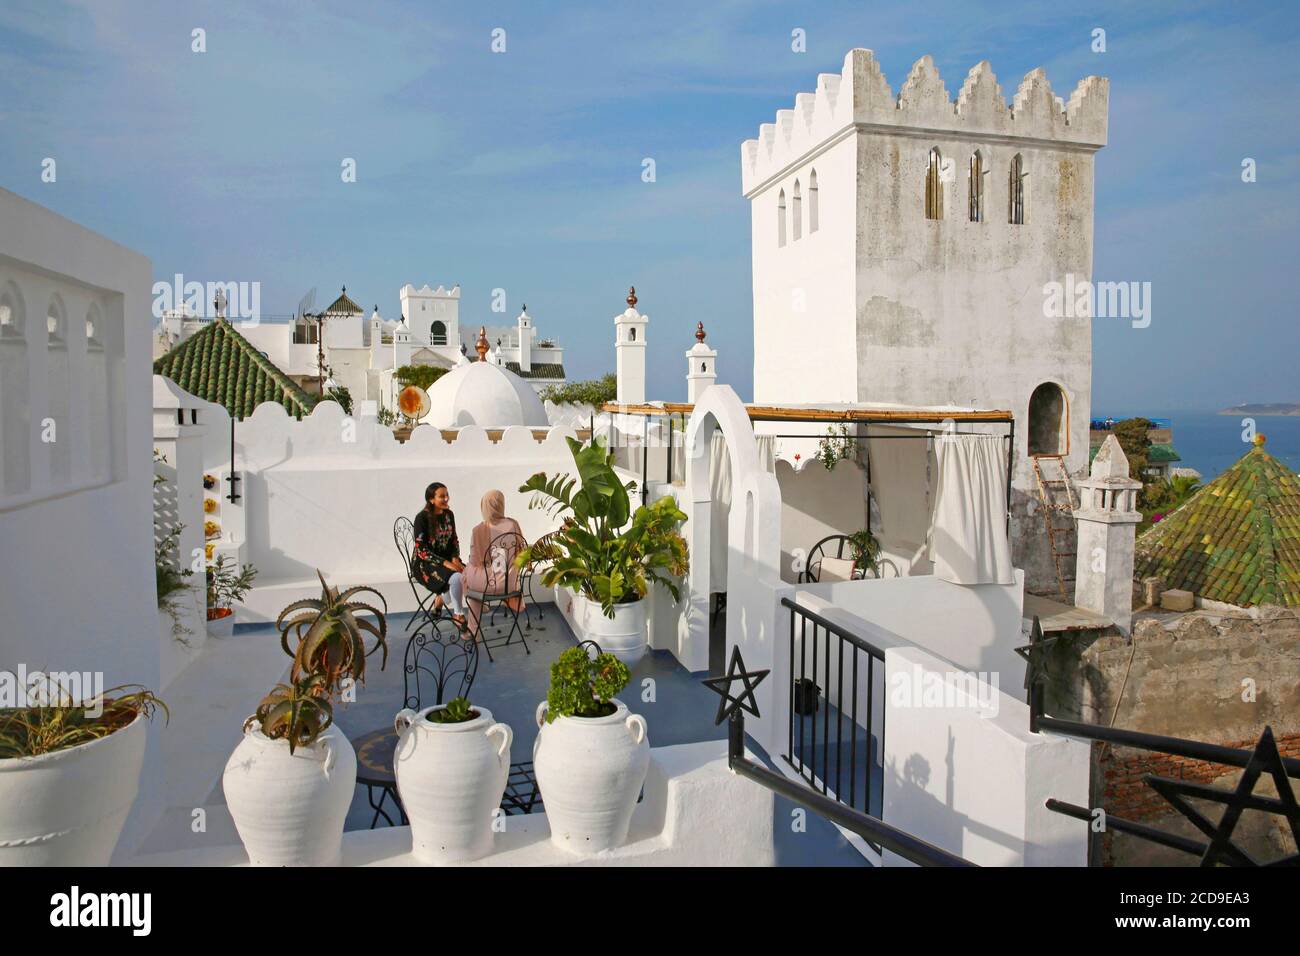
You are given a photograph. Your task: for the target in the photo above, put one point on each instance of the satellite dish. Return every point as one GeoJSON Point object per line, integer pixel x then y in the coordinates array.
{"type": "Point", "coordinates": [414, 402]}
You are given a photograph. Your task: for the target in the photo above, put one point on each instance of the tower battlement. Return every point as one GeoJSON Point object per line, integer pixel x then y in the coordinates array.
{"type": "Point", "coordinates": [859, 96]}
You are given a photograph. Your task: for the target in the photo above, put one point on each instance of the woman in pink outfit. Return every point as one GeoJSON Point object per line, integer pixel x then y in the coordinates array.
{"type": "Point", "coordinates": [491, 560]}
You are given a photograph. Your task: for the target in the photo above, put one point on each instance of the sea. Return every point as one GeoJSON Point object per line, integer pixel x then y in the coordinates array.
{"type": "Point", "coordinates": [1211, 443]}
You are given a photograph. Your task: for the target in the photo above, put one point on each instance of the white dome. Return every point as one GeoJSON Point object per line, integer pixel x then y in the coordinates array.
{"type": "Point", "coordinates": [484, 394]}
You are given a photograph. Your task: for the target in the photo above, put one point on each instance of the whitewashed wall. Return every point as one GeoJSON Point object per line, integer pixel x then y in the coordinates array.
{"type": "Point", "coordinates": [76, 513]}
{"type": "Point", "coordinates": [976, 627]}
{"type": "Point", "coordinates": [324, 492]}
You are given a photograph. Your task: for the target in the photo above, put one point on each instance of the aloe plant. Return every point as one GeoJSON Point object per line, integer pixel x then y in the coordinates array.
{"type": "Point", "coordinates": [298, 712]}
{"type": "Point", "coordinates": [330, 650]}
{"type": "Point", "coordinates": [329, 635]}
{"type": "Point", "coordinates": [603, 550]}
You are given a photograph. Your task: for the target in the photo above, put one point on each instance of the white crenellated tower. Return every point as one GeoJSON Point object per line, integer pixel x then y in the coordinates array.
{"type": "Point", "coordinates": [432, 314]}
{"type": "Point", "coordinates": [701, 366]}
{"type": "Point", "coordinates": [629, 350]}
{"type": "Point", "coordinates": [902, 249]}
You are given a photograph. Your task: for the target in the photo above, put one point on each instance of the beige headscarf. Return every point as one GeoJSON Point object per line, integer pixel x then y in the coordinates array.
{"type": "Point", "coordinates": [493, 506]}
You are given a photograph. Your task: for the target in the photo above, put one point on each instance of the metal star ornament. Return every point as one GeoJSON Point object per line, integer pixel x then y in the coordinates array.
{"type": "Point", "coordinates": [722, 687]}
{"type": "Point", "coordinates": [1266, 760]}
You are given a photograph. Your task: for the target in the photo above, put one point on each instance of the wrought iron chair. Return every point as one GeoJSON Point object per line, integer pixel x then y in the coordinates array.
{"type": "Point", "coordinates": [404, 538]}
{"type": "Point", "coordinates": [838, 546]}
{"type": "Point", "coordinates": [542, 551]}
{"type": "Point", "coordinates": [439, 663]}
{"type": "Point", "coordinates": [503, 591]}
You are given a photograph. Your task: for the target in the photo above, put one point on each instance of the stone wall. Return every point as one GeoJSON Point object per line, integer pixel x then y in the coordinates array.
{"type": "Point", "coordinates": [1209, 676]}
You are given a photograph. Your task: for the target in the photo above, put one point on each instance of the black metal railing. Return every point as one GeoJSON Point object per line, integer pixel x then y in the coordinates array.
{"type": "Point", "coordinates": [836, 726]}
{"type": "Point", "coordinates": [1264, 760]}
{"type": "Point", "coordinates": [871, 828]}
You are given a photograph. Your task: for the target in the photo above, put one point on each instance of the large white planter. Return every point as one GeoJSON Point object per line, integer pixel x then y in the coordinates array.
{"type": "Point", "coordinates": [623, 635]}
{"type": "Point", "coordinates": [67, 808]}
{"type": "Point", "coordinates": [450, 778]}
{"type": "Point", "coordinates": [590, 771]}
{"type": "Point", "coordinates": [289, 808]}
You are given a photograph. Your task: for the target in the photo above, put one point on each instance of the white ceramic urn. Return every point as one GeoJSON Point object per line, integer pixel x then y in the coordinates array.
{"type": "Point", "coordinates": [289, 808]}
{"type": "Point", "coordinates": [623, 635]}
{"type": "Point", "coordinates": [67, 808]}
{"type": "Point", "coordinates": [450, 778]}
{"type": "Point", "coordinates": [590, 771]}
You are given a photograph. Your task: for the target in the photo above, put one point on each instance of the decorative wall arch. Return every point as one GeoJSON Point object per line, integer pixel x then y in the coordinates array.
{"type": "Point", "coordinates": [15, 398]}
{"type": "Point", "coordinates": [753, 525]}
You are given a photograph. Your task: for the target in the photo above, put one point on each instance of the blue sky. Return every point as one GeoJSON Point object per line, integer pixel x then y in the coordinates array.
{"type": "Point", "coordinates": [522, 170]}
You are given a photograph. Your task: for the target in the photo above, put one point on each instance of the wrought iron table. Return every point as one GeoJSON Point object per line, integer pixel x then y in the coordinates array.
{"type": "Point", "coordinates": [375, 772]}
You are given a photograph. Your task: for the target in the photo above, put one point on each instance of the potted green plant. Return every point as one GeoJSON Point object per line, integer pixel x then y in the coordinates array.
{"type": "Point", "coordinates": [865, 550]}
{"type": "Point", "coordinates": [290, 781]}
{"type": "Point", "coordinates": [608, 555]}
{"type": "Point", "coordinates": [69, 772]}
{"type": "Point", "coordinates": [225, 587]}
{"type": "Point", "coordinates": [591, 752]}
{"type": "Point", "coordinates": [451, 762]}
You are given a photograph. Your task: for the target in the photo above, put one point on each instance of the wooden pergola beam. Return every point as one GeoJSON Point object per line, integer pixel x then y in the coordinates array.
{"type": "Point", "coordinates": [779, 413]}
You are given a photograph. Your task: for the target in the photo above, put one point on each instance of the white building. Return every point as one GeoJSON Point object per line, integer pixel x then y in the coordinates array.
{"type": "Point", "coordinates": [901, 249]}
{"type": "Point", "coordinates": [363, 353]}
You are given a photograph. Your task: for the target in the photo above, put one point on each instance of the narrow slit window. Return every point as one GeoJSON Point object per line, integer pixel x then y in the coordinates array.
{"type": "Point", "coordinates": [796, 220]}
{"type": "Point", "coordinates": [780, 218]}
{"type": "Point", "coordinates": [976, 187]}
{"type": "Point", "coordinates": [934, 186]}
{"type": "Point", "coordinates": [1016, 214]}
{"type": "Point", "coordinates": [812, 202]}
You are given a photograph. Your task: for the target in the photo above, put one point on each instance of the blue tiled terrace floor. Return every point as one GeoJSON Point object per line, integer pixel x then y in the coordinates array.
{"type": "Point", "coordinates": [681, 711]}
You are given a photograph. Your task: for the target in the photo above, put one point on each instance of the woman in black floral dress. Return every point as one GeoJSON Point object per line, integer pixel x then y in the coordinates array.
{"type": "Point", "coordinates": [435, 560]}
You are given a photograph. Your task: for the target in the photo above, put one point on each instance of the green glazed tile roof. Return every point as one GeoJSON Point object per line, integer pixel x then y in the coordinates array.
{"type": "Point", "coordinates": [543, 370]}
{"type": "Point", "coordinates": [1162, 452]}
{"type": "Point", "coordinates": [219, 365]}
{"type": "Point", "coordinates": [1237, 540]}
{"type": "Point", "coordinates": [343, 305]}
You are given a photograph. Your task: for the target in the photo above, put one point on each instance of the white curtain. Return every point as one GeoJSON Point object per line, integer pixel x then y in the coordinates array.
{"type": "Point", "coordinates": [968, 533]}
{"type": "Point", "coordinates": [900, 484]}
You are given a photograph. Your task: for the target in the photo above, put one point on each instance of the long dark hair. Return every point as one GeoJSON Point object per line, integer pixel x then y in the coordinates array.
{"type": "Point", "coordinates": [428, 496]}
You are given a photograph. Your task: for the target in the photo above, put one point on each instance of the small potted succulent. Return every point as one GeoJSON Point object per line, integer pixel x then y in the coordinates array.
{"type": "Point", "coordinates": [225, 587]}
{"type": "Point", "coordinates": [591, 752]}
{"type": "Point", "coordinates": [451, 764]}
{"type": "Point", "coordinates": [290, 781]}
{"type": "Point", "coordinates": [69, 773]}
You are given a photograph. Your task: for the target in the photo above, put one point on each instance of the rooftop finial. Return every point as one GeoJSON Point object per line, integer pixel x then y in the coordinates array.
{"type": "Point", "coordinates": [631, 296]}
{"type": "Point", "coordinates": [1260, 439]}
{"type": "Point", "coordinates": [699, 332]}
{"type": "Point", "coordinates": [482, 346]}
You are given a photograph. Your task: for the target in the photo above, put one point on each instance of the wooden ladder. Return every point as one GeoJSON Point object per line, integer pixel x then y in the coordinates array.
{"type": "Point", "coordinates": [1057, 497]}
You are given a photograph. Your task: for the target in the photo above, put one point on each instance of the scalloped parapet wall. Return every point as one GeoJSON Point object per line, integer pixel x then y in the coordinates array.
{"type": "Point", "coordinates": [859, 95]}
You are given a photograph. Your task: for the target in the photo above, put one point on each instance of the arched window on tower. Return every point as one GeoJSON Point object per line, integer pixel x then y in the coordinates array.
{"type": "Point", "coordinates": [976, 192]}
{"type": "Point", "coordinates": [1049, 421]}
{"type": "Point", "coordinates": [15, 402]}
{"type": "Point", "coordinates": [934, 186]}
{"type": "Point", "coordinates": [1016, 214]}
{"type": "Point", "coordinates": [812, 202]}
{"type": "Point", "coordinates": [438, 333]}
{"type": "Point", "coordinates": [780, 218]}
{"type": "Point", "coordinates": [796, 219]}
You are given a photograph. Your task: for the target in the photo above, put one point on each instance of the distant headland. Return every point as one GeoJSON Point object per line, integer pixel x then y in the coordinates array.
{"type": "Point", "coordinates": [1266, 408]}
